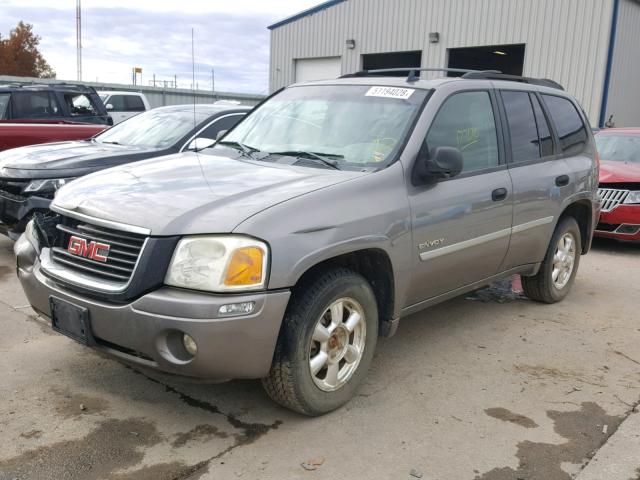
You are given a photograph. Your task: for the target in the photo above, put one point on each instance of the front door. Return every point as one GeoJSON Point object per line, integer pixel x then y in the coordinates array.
{"type": "Point", "coordinates": [461, 226]}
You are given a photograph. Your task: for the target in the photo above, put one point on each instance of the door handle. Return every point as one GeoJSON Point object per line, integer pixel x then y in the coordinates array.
{"type": "Point", "coordinates": [562, 180]}
{"type": "Point", "coordinates": [499, 194]}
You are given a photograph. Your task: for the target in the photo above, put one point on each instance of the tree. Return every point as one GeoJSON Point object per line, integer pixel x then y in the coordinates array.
{"type": "Point", "coordinates": [19, 54]}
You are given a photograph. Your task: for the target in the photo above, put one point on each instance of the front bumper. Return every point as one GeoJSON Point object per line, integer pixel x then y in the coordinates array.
{"type": "Point", "coordinates": [138, 332]}
{"type": "Point", "coordinates": [16, 210]}
{"type": "Point", "coordinates": [622, 223]}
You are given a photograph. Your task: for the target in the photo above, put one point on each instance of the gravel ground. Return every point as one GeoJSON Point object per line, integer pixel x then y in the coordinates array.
{"type": "Point", "coordinates": [489, 387]}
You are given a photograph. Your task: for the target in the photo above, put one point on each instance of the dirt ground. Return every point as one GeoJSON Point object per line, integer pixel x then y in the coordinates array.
{"type": "Point", "coordinates": [487, 387]}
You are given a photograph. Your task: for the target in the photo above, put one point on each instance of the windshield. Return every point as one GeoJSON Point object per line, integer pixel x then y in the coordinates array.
{"type": "Point", "coordinates": [353, 125]}
{"type": "Point", "coordinates": [619, 148]}
{"type": "Point", "coordinates": [153, 129]}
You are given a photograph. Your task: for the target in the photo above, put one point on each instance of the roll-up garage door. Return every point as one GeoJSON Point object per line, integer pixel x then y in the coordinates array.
{"type": "Point", "coordinates": [325, 68]}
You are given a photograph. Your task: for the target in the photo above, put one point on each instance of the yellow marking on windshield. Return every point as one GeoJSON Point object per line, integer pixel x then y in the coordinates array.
{"type": "Point", "coordinates": [466, 137]}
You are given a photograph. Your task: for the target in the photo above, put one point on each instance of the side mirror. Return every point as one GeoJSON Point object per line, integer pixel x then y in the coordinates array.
{"type": "Point", "coordinates": [109, 106]}
{"type": "Point", "coordinates": [200, 143]}
{"type": "Point", "coordinates": [440, 162]}
{"type": "Point", "coordinates": [221, 134]}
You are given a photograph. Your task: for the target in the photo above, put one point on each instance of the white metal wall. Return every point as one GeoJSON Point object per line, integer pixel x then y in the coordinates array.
{"type": "Point", "coordinates": [566, 40]}
{"type": "Point", "coordinates": [624, 87]}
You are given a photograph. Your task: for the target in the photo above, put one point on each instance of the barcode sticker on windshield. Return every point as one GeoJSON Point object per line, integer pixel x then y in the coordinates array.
{"type": "Point", "coordinates": [390, 92]}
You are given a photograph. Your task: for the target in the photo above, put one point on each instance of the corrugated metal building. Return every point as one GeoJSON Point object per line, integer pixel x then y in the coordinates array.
{"type": "Point", "coordinates": [592, 47]}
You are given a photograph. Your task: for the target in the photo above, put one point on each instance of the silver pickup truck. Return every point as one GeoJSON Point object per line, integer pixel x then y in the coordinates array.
{"type": "Point", "coordinates": [331, 211]}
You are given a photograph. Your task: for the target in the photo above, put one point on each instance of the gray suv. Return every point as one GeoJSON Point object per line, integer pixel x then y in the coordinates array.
{"type": "Point", "coordinates": [331, 211]}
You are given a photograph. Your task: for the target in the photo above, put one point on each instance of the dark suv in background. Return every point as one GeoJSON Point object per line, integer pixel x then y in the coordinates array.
{"type": "Point", "coordinates": [60, 102]}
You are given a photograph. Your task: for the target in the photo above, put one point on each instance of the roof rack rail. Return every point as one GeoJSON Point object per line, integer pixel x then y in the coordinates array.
{"type": "Point", "coordinates": [62, 85]}
{"type": "Point", "coordinates": [412, 77]}
{"type": "Point", "coordinates": [488, 75]}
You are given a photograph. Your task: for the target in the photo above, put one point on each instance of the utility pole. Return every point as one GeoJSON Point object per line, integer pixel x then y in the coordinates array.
{"type": "Point", "coordinates": [213, 83]}
{"type": "Point", "coordinates": [79, 39]}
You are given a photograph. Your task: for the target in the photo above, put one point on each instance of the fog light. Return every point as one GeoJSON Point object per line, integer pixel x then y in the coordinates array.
{"type": "Point", "coordinates": [231, 309]}
{"type": "Point", "coordinates": [189, 345]}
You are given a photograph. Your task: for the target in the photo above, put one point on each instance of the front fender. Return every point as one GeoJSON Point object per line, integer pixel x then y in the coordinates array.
{"type": "Point", "coordinates": [368, 212]}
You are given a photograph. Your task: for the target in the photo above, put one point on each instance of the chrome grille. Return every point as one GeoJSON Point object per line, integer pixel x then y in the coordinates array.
{"type": "Point", "coordinates": [610, 198]}
{"type": "Point", "coordinates": [125, 248]}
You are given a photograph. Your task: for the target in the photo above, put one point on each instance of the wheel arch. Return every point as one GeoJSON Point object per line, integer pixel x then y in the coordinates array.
{"type": "Point", "coordinates": [582, 212]}
{"type": "Point", "coordinates": [375, 265]}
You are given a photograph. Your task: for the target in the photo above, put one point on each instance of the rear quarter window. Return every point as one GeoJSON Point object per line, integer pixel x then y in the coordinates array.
{"type": "Point", "coordinates": [571, 130]}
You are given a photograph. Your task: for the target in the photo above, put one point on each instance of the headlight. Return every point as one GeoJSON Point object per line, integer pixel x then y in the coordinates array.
{"type": "Point", "coordinates": [633, 197]}
{"type": "Point", "coordinates": [46, 185]}
{"type": "Point", "coordinates": [219, 264]}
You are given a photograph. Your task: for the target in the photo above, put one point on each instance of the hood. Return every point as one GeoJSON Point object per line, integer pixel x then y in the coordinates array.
{"type": "Point", "coordinates": [192, 193]}
{"type": "Point", "coordinates": [51, 159]}
{"type": "Point", "coordinates": [619, 172]}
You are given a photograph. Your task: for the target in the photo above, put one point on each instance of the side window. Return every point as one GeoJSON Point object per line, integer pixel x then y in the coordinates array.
{"type": "Point", "coordinates": [544, 133]}
{"type": "Point", "coordinates": [117, 101]}
{"type": "Point", "coordinates": [4, 105]}
{"type": "Point", "coordinates": [133, 103]}
{"type": "Point", "coordinates": [35, 105]}
{"type": "Point", "coordinates": [79, 104]}
{"type": "Point", "coordinates": [522, 126]}
{"type": "Point", "coordinates": [225, 123]}
{"type": "Point", "coordinates": [571, 130]}
{"type": "Point", "coordinates": [466, 121]}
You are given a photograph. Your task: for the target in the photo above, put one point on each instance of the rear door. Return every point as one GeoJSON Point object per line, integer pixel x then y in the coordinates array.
{"type": "Point", "coordinates": [461, 226]}
{"type": "Point", "coordinates": [542, 177]}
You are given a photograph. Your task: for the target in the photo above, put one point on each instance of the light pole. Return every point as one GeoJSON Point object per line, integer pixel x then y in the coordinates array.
{"type": "Point", "coordinates": [79, 39]}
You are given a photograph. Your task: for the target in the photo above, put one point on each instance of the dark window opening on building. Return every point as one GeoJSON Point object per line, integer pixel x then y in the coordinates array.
{"type": "Point", "coordinates": [376, 61]}
{"type": "Point", "coordinates": [506, 58]}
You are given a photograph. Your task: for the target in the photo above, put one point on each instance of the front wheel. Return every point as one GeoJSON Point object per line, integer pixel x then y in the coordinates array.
{"type": "Point", "coordinates": [559, 267]}
{"type": "Point", "coordinates": [326, 343]}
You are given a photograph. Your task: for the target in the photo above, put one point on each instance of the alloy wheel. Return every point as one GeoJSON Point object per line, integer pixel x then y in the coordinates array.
{"type": "Point", "coordinates": [337, 344]}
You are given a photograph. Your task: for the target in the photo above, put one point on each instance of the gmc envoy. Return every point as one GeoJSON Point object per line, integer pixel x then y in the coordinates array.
{"type": "Point", "coordinates": [331, 211]}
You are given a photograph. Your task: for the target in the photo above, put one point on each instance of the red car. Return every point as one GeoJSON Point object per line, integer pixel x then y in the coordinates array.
{"type": "Point", "coordinates": [619, 191]}
{"type": "Point", "coordinates": [24, 132]}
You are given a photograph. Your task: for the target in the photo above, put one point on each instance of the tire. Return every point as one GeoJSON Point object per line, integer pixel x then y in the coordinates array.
{"type": "Point", "coordinates": [291, 382]}
{"type": "Point", "coordinates": [542, 287]}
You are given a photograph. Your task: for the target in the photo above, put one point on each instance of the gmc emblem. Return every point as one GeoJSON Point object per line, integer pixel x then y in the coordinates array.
{"type": "Point", "coordinates": [80, 246]}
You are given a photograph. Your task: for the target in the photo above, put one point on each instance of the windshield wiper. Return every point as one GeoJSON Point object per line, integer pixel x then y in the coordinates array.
{"type": "Point", "coordinates": [319, 157]}
{"type": "Point", "coordinates": [112, 143]}
{"type": "Point", "coordinates": [245, 149]}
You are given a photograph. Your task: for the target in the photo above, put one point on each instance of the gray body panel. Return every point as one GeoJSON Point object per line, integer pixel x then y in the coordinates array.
{"type": "Point", "coordinates": [348, 221]}
{"type": "Point", "coordinates": [442, 239]}
{"type": "Point", "coordinates": [191, 193]}
{"type": "Point", "coordinates": [471, 233]}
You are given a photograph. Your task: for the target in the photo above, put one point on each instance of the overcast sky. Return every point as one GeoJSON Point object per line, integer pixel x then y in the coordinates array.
{"type": "Point", "coordinates": [231, 37]}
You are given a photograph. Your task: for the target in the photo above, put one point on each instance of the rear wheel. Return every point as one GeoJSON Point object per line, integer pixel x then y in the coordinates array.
{"type": "Point", "coordinates": [559, 267]}
{"type": "Point", "coordinates": [326, 343]}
